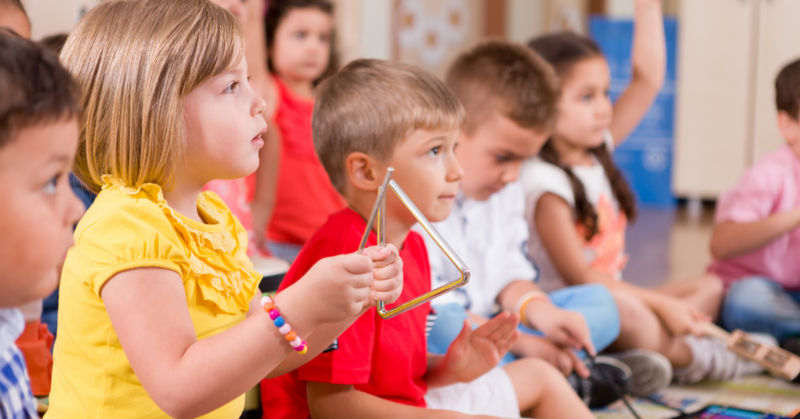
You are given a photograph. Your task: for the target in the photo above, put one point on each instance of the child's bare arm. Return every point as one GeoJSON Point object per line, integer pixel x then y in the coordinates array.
{"type": "Point", "coordinates": [334, 401]}
{"type": "Point", "coordinates": [556, 227]}
{"type": "Point", "coordinates": [387, 287]}
{"type": "Point", "coordinates": [567, 329]}
{"type": "Point", "coordinates": [649, 57]}
{"type": "Point", "coordinates": [734, 239]}
{"type": "Point", "coordinates": [148, 310]}
{"type": "Point", "coordinates": [266, 185]}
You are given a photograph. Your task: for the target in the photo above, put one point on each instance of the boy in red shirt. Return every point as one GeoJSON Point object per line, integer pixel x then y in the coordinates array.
{"type": "Point", "coordinates": [370, 116]}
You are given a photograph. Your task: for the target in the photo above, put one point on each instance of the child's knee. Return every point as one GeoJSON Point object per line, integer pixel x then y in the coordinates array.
{"type": "Point", "coordinates": [636, 327]}
{"type": "Point", "coordinates": [712, 286]}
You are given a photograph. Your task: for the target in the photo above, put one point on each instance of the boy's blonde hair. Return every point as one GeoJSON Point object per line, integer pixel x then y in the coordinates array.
{"type": "Point", "coordinates": [370, 106]}
{"type": "Point", "coordinates": [136, 60]}
{"type": "Point", "coordinates": [505, 77]}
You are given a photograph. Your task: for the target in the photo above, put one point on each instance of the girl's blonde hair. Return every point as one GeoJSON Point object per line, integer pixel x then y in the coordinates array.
{"type": "Point", "coordinates": [136, 60]}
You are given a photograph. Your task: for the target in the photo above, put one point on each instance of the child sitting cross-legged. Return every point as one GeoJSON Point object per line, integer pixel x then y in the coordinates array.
{"type": "Point", "coordinates": [757, 237]}
{"type": "Point", "coordinates": [371, 116]}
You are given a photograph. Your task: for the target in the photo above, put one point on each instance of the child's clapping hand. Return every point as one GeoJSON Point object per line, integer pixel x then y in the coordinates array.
{"type": "Point", "coordinates": [475, 352]}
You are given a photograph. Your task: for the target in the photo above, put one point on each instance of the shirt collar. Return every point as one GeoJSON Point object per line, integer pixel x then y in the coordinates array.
{"type": "Point", "coordinates": [11, 326]}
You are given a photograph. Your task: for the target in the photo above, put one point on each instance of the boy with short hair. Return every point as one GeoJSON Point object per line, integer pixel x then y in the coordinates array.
{"type": "Point", "coordinates": [39, 112]}
{"type": "Point", "coordinates": [756, 240]}
{"type": "Point", "coordinates": [370, 116]}
{"type": "Point", "coordinates": [511, 98]}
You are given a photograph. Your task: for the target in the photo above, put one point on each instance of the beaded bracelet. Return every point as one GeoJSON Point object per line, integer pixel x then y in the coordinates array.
{"type": "Point", "coordinates": [269, 306]}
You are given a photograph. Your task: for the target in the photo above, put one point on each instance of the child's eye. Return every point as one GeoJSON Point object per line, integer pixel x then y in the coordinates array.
{"type": "Point", "coordinates": [50, 187]}
{"type": "Point", "coordinates": [300, 35]}
{"type": "Point", "coordinates": [607, 93]}
{"type": "Point", "coordinates": [231, 87]}
{"type": "Point", "coordinates": [587, 97]}
{"type": "Point", "coordinates": [434, 151]}
{"type": "Point", "coordinates": [501, 159]}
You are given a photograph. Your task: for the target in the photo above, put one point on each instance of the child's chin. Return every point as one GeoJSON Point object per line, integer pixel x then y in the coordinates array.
{"type": "Point", "coordinates": [438, 214]}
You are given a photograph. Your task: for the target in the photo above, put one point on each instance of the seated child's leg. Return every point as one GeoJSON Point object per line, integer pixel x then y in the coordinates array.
{"type": "Point", "coordinates": [758, 304]}
{"type": "Point", "coordinates": [543, 392]}
{"type": "Point", "coordinates": [703, 293]}
{"type": "Point", "coordinates": [491, 394]}
{"type": "Point", "coordinates": [597, 305]}
{"type": "Point", "coordinates": [640, 328]}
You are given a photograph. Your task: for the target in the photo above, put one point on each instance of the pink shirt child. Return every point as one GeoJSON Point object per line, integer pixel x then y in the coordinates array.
{"type": "Point", "coordinates": [771, 186]}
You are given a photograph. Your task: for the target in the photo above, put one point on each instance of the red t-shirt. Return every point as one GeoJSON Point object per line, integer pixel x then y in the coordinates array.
{"type": "Point", "coordinates": [385, 358]}
{"type": "Point", "coordinates": [305, 196]}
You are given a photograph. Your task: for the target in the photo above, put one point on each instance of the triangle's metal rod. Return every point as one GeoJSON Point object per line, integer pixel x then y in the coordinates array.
{"type": "Point", "coordinates": [375, 208]}
{"type": "Point", "coordinates": [426, 225]}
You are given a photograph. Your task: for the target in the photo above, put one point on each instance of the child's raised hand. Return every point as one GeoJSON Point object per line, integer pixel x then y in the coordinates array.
{"type": "Point", "coordinates": [336, 288]}
{"type": "Point", "coordinates": [387, 274]}
{"type": "Point", "coordinates": [679, 317]}
{"type": "Point", "coordinates": [475, 352]}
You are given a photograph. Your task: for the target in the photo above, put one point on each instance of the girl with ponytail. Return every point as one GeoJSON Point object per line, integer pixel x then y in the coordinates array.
{"type": "Point", "coordinates": [579, 204]}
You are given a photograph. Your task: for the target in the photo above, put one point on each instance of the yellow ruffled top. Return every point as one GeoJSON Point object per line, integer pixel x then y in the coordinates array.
{"type": "Point", "coordinates": [129, 228]}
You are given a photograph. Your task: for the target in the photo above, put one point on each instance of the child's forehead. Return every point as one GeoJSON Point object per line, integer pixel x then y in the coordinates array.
{"type": "Point", "coordinates": [422, 136]}
{"type": "Point", "coordinates": [42, 143]}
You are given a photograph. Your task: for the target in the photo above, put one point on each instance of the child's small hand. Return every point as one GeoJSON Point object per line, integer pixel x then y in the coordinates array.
{"type": "Point", "coordinates": [680, 318]}
{"type": "Point", "coordinates": [337, 288]}
{"type": "Point", "coordinates": [568, 329]}
{"type": "Point", "coordinates": [475, 352]}
{"type": "Point", "coordinates": [388, 274]}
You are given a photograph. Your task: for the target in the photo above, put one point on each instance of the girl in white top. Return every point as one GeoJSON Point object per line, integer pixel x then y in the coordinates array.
{"type": "Point", "coordinates": [578, 203]}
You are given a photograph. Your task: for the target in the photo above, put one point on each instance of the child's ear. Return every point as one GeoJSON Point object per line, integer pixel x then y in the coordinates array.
{"type": "Point", "coordinates": [364, 172]}
{"type": "Point", "coordinates": [789, 126]}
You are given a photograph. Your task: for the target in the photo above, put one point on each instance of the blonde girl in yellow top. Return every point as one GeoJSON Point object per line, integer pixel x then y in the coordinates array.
{"type": "Point", "coordinates": [160, 313]}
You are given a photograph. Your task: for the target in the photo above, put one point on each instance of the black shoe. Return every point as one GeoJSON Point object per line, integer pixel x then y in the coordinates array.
{"type": "Point", "coordinates": [792, 345]}
{"type": "Point", "coordinates": [595, 391]}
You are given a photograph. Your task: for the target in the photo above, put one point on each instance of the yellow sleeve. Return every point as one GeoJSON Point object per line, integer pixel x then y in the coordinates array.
{"type": "Point", "coordinates": [134, 234]}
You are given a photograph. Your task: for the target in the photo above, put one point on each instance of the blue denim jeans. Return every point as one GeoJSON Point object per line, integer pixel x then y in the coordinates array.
{"type": "Point", "coordinates": [593, 301]}
{"type": "Point", "coordinates": [759, 304]}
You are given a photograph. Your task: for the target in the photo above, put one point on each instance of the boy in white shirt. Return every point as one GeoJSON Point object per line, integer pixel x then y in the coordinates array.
{"type": "Point", "coordinates": [511, 95]}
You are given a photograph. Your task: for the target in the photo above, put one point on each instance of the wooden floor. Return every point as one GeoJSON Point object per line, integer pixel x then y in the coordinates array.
{"type": "Point", "coordinates": [667, 246]}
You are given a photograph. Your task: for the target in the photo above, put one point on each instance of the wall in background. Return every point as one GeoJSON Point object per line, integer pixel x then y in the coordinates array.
{"type": "Point", "coordinates": [49, 17]}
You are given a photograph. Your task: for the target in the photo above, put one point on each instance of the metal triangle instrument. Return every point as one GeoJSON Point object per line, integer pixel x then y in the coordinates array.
{"type": "Point", "coordinates": [379, 213]}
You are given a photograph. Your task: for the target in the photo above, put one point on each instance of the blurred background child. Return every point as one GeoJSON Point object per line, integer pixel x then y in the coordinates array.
{"type": "Point", "coordinates": [579, 205]}
{"type": "Point", "coordinates": [756, 239]}
{"type": "Point", "coordinates": [295, 197]}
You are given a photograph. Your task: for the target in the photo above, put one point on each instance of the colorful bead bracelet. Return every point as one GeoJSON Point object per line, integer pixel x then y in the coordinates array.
{"type": "Point", "coordinates": [269, 306]}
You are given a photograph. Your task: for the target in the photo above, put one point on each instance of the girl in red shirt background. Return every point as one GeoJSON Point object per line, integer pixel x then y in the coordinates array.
{"type": "Point", "coordinates": [293, 195]}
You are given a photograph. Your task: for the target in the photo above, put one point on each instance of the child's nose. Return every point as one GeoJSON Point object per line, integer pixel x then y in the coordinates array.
{"type": "Point", "coordinates": [454, 170]}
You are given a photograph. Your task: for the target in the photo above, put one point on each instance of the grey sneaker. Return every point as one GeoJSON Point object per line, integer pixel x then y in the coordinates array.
{"type": "Point", "coordinates": [712, 360]}
{"type": "Point", "coordinates": [651, 371]}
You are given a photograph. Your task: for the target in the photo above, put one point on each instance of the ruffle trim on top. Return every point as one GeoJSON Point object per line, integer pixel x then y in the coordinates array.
{"type": "Point", "coordinates": [225, 275]}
